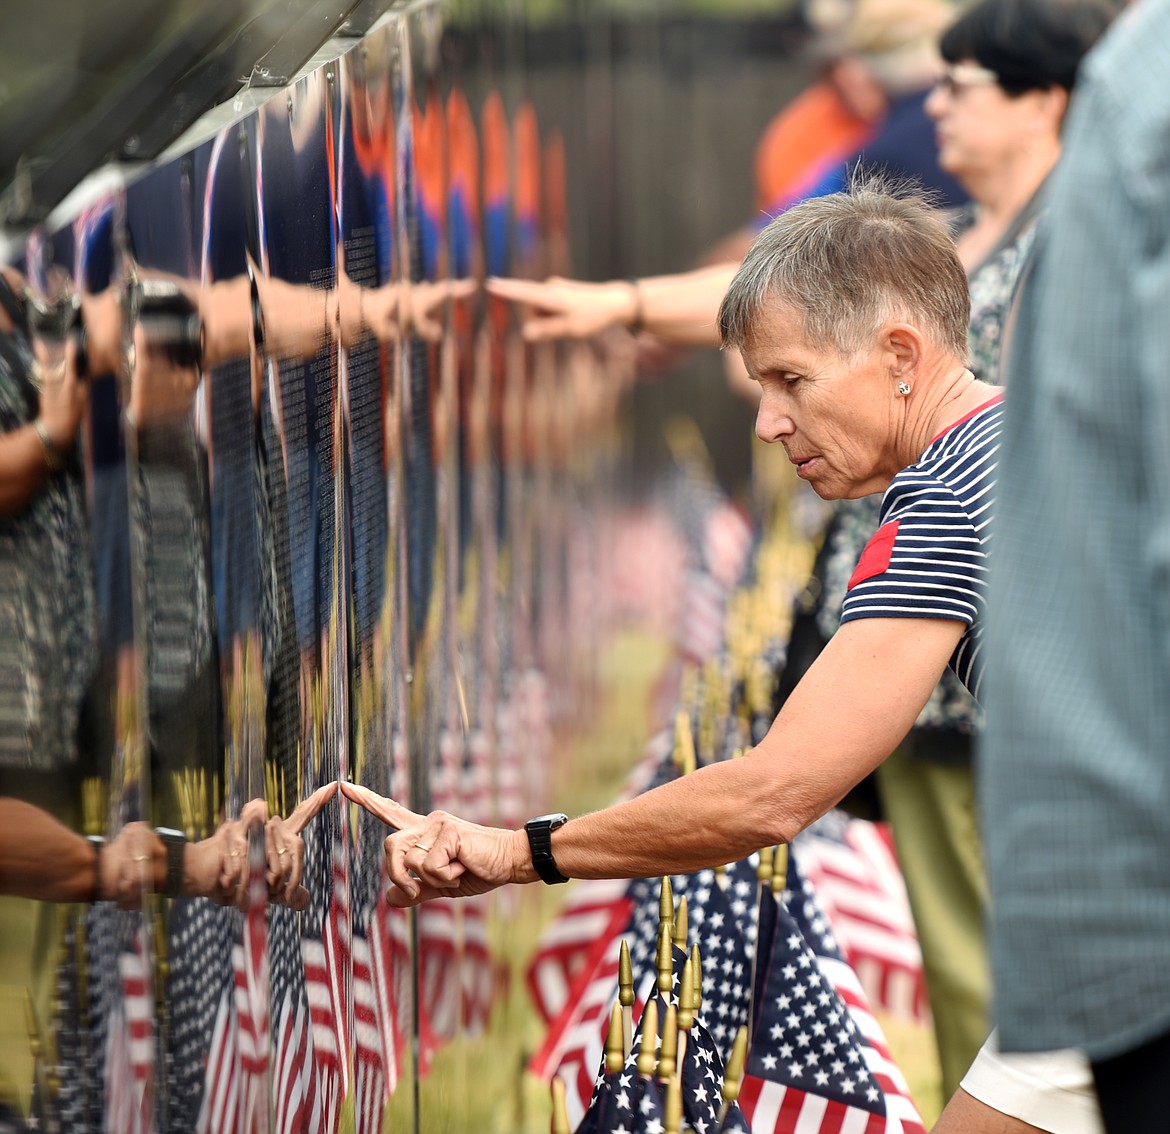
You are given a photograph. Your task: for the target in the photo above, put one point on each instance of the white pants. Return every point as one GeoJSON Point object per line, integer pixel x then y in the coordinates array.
{"type": "Point", "coordinates": [1050, 1089]}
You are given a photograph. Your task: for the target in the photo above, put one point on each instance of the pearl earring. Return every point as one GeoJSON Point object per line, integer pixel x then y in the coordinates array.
{"type": "Point", "coordinates": [903, 389]}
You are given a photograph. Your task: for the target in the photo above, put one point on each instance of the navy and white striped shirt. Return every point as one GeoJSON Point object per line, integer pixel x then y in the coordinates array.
{"type": "Point", "coordinates": [928, 559]}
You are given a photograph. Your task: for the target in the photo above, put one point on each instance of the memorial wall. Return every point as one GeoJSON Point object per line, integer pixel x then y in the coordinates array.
{"type": "Point", "coordinates": [327, 520]}
{"type": "Point", "coordinates": [321, 515]}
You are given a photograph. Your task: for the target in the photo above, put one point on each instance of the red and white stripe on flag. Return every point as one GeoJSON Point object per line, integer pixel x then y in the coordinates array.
{"type": "Point", "coordinates": [327, 969]}
{"type": "Point", "coordinates": [772, 1108]}
{"type": "Point", "coordinates": [595, 911]}
{"type": "Point", "coordinates": [575, 1040]}
{"type": "Point", "coordinates": [860, 887]}
{"type": "Point", "coordinates": [293, 1081]}
{"type": "Point", "coordinates": [130, 1045]}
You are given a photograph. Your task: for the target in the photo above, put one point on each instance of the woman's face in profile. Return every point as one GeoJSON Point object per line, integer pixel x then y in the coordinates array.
{"type": "Point", "coordinates": [836, 416]}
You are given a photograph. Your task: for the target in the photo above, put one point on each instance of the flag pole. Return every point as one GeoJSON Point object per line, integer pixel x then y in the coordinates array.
{"type": "Point", "coordinates": [626, 995]}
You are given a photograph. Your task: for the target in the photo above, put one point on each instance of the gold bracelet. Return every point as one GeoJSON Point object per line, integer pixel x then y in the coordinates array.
{"type": "Point", "coordinates": [53, 458]}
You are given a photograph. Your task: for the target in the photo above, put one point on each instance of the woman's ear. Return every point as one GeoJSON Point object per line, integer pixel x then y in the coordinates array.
{"type": "Point", "coordinates": [904, 344]}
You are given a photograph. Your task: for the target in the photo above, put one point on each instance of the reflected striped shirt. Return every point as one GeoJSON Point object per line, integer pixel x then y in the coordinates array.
{"type": "Point", "coordinates": [928, 559]}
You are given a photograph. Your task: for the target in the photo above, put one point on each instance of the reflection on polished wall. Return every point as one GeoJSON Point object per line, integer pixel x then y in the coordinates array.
{"type": "Point", "coordinates": [327, 517]}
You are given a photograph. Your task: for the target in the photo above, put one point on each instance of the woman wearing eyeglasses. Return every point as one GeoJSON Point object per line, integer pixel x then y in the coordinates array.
{"type": "Point", "coordinates": [998, 111]}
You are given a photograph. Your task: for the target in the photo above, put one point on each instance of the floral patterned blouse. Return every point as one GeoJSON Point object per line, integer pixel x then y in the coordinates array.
{"type": "Point", "coordinates": [48, 640]}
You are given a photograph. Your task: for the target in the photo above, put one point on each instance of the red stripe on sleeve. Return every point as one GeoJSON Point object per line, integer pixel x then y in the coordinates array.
{"type": "Point", "coordinates": [877, 554]}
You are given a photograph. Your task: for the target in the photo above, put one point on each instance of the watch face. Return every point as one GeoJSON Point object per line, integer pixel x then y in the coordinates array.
{"type": "Point", "coordinates": [552, 821]}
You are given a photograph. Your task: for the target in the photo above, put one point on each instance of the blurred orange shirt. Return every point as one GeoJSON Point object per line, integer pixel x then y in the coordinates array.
{"type": "Point", "coordinates": [813, 134]}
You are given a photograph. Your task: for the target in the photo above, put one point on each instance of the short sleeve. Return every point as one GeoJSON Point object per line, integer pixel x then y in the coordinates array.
{"type": "Point", "coordinates": [925, 561]}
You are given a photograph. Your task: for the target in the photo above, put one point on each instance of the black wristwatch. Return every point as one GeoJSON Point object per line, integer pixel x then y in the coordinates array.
{"type": "Point", "coordinates": [539, 832]}
{"type": "Point", "coordinates": [174, 841]}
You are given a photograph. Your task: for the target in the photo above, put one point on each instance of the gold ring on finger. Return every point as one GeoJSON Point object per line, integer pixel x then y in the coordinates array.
{"type": "Point", "coordinates": [423, 846]}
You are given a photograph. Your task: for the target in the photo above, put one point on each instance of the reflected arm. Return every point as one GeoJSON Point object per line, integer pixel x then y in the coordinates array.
{"type": "Point", "coordinates": [42, 858]}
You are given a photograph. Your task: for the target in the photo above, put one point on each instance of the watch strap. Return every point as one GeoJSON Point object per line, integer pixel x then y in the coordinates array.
{"type": "Point", "coordinates": [539, 831]}
{"type": "Point", "coordinates": [174, 842]}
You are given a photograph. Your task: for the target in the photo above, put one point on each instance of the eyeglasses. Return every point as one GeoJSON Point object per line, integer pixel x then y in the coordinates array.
{"type": "Point", "coordinates": [958, 77]}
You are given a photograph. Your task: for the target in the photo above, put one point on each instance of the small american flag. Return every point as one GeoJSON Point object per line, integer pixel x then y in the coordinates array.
{"type": "Point", "coordinates": [199, 972]}
{"type": "Point", "coordinates": [818, 1061]}
{"type": "Point", "coordinates": [851, 863]}
{"type": "Point", "coordinates": [574, 1043]}
{"type": "Point", "coordinates": [295, 1098]}
{"type": "Point", "coordinates": [131, 1040]}
{"type": "Point", "coordinates": [325, 948]}
{"type": "Point", "coordinates": [377, 1042]}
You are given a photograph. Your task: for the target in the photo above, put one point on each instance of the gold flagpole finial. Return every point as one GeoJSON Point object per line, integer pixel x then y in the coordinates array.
{"type": "Point", "coordinates": [733, 1075]}
{"type": "Point", "coordinates": [697, 977]}
{"type": "Point", "coordinates": [625, 976]}
{"type": "Point", "coordinates": [666, 903]}
{"type": "Point", "coordinates": [560, 1110]}
{"type": "Point", "coordinates": [765, 866]}
{"type": "Point", "coordinates": [686, 997]}
{"type": "Point", "coordinates": [626, 995]}
{"type": "Point", "coordinates": [736, 1061]}
{"type": "Point", "coordinates": [679, 935]}
{"type": "Point", "coordinates": [780, 869]}
{"type": "Point", "coordinates": [648, 1053]}
{"type": "Point", "coordinates": [615, 1055]}
{"type": "Point", "coordinates": [665, 960]}
{"type": "Point", "coordinates": [668, 1052]}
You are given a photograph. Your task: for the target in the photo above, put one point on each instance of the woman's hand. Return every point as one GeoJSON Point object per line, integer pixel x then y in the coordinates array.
{"type": "Point", "coordinates": [441, 856]}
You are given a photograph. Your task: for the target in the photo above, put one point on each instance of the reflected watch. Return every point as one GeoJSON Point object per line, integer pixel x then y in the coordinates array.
{"type": "Point", "coordinates": [174, 842]}
{"type": "Point", "coordinates": [539, 831]}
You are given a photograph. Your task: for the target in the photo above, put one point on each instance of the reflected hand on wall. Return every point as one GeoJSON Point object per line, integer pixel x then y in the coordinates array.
{"type": "Point", "coordinates": [41, 858]}
{"type": "Point", "coordinates": [161, 388]}
{"type": "Point", "coordinates": [217, 867]}
{"type": "Point", "coordinates": [442, 856]}
{"type": "Point", "coordinates": [425, 303]}
{"type": "Point", "coordinates": [569, 309]}
{"type": "Point", "coordinates": [285, 850]}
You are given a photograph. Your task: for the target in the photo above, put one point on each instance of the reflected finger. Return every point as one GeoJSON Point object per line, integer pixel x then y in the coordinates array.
{"type": "Point", "coordinates": [296, 866]}
{"type": "Point", "coordinates": [275, 857]}
{"type": "Point", "coordinates": [308, 808]}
